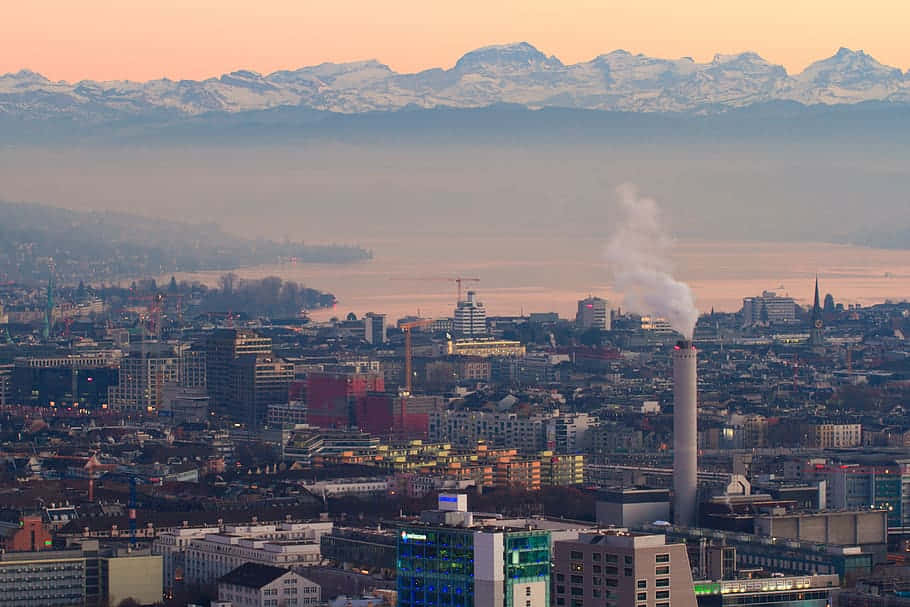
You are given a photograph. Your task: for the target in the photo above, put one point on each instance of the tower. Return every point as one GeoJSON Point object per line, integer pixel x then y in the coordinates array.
{"type": "Point", "coordinates": [685, 434]}
{"type": "Point", "coordinates": [817, 328]}
{"type": "Point", "coordinates": [48, 305]}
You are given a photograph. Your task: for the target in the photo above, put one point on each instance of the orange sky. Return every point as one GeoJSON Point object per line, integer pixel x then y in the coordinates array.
{"type": "Point", "coordinates": [143, 39]}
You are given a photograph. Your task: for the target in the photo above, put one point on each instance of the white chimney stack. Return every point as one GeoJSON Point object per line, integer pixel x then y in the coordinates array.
{"type": "Point", "coordinates": [685, 435]}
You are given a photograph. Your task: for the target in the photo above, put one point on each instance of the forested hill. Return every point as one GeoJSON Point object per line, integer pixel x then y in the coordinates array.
{"type": "Point", "coordinates": [94, 246]}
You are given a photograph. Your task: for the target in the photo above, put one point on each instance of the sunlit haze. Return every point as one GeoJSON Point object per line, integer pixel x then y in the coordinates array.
{"type": "Point", "coordinates": [146, 39]}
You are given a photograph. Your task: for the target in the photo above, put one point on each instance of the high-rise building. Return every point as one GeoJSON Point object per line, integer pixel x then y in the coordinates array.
{"type": "Point", "coordinates": [593, 313]}
{"type": "Point", "coordinates": [222, 347]}
{"type": "Point", "coordinates": [768, 307]}
{"type": "Point", "coordinates": [144, 373]}
{"type": "Point", "coordinates": [470, 317]}
{"type": "Point", "coordinates": [191, 366]}
{"type": "Point", "coordinates": [617, 568]}
{"type": "Point", "coordinates": [258, 380]}
{"type": "Point", "coordinates": [374, 326]}
{"type": "Point", "coordinates": [448, 560]}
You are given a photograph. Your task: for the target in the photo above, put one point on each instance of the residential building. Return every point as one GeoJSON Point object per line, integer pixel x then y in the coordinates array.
{"type": "Point", "coordinates": [257, 585]}
{"type": "Point", "coordinates": [470, 317]}
{"type": "Point", "coordinates": [485, 348]}
{"type": "Point", "coordinates": [144, 373]}
{"type": "Point", "coordinates": [593, 313]}
{"type": "Point", "coordinates": [618, 568]}
{"type": "Point", "coordinates": [768, 307]}
{"type": "Point", "coordinates": [508, 430]}
{"type": "Point", "coordinates": [835, 436]}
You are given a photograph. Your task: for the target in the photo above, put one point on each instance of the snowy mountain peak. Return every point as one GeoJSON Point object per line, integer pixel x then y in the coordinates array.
{"type": "Point", "coordinates": [516, 55]}
{"type": "Point", "coordinates": [516, 73]}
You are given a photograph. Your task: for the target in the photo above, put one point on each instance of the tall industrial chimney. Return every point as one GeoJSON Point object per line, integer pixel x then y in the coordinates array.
{"type": "Point", "coordinates": [685, 434]}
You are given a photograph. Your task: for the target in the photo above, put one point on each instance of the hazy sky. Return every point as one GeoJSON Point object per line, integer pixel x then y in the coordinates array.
{"type": "Point", "coordinates": [143, 39]}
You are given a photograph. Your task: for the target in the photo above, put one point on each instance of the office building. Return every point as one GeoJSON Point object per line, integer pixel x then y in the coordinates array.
{"type": "Point", "coordinates": [61, 380]}
{"type": "Point", "coordinates": [835, 436]}
{"type": "Point", "coordinates": [617, 568]}
{"type": "Point", "coordinates": [256, 585]}
{"type": "Point", "coordinates": [286, 545]}
{"type": "Point", "coordinates": [222, 347]}
{"type": "Point", "coordinates": [374, 328]}
{"type": "Point", "coordinates": [258, 380]}
{"type": "Point", "coordinates": [593, 313]}
{"type": "Point", "coordinates": [485, 348]}
{"type": "Point", "coordinates": [450, 559]}
{"type": "Point", "coordinates": [470, 317]}
{"type": "Point", "coordinates": [332, 395]}
{"type": "Point", "coordinates": [769, 307]}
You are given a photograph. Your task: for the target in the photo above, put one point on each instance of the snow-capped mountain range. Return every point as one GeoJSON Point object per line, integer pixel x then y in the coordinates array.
{"type": "Point", "coordinates": [513, 73]}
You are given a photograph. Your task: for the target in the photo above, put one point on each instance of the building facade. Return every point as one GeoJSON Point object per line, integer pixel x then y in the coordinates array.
{"type": "Point", "coordinates": [593, 313]}
{"type": "Point", "coordinates": [470, 317]}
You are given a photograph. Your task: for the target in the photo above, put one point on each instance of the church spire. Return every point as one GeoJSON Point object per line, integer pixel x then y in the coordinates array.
{"type": "Point", "coordinates": [816, 330]}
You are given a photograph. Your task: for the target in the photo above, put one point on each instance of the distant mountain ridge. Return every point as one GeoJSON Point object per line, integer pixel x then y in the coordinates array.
{"type": "Point", "coordinates": [517, 74]}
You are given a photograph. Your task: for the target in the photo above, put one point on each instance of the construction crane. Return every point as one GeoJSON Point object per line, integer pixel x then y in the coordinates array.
{"type": "Point", "coordinates": [458, 280]}
{"type": "Point", "coordinates": [132, 511]}
{"type": "Point", "coordinates": [406, 329]}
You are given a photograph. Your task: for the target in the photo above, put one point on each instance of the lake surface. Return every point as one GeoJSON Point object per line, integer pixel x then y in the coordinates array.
{"type": "Point", "coordinates": [522, 274]}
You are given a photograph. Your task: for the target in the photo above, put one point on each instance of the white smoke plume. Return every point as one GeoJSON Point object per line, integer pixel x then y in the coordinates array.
{"type": "Point", "coordinates": [638, 261]}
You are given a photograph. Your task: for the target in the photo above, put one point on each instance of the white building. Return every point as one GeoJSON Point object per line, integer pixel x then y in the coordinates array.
{"type": "Point", "coordinates": [201, 556]}
{"type": "Point", "coordinates": [254, 585]}
{"type": "Point", "coordinates": [593, 313]}
{"type": "Point", "coordinates": [769, 305]}
{"type": "Point", "coordinates": [508, 430]}
{"type": "Point", "coordinates": [470, 317]}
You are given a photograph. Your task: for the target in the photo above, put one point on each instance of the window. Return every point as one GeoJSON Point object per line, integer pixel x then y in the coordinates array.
{"type": "Point", "coordinates": [642, 596]}
{"type": "Point", "coordinates": [576, 591]}
{"type": "Point", "coordinates": [663, 582]}
{"type": "Point", "coordinates": [561, 601]}
{"type": "Point", "coordinates": [627, 572]}
{"type": "Point", "coordinates": [560, 590]}
{"type": "Point", "coordinates": [597, 581]}
{"type": "Point", "coordinates": [576, 579]}
{"type": "Point", "coordinates": [662, 571]}
{"type": "Point", "coordinates": [527, 603]}
{"type": "Point", "coordinates": [596, 568]}
{"type": "Point", "coordinates": [579, 567]}
{"type": "Point", "coordinates": [595, 593]}
{"type": "Point", "coordinates": [596, 556]}
{"type": "Point", "coordinates": [662, 594]}
{"type": "Point", "coordinates": [642, 583]}
{"type": "Point", "coordinates": [610, 558]}
{"type": "Point", "coordinates": [560, 577]}
{"type": "Point", "coordinates": [663, 605]}
{"type": "Point", "coordinates": [627, 560]}
{"type": "Point", "coordinates": [527, 591]}
{"type": "Point", "coordinates": [576, 555]}
{"type": "Point", "coordinates": [662, 558]}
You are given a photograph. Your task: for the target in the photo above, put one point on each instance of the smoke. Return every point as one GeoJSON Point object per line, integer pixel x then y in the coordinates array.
{"type": "Point", "coordinates": [638, 261]}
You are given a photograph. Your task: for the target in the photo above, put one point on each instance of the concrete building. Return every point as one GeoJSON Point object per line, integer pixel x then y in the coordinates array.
{"type": "Point", "coordinates": [171, 546]}
{"type": "Point", "coordinates": [258, 380]}
{"type": "Point", "coordinates": [617, 569]}
{"type": "Point", "coordinates": [255, 585]}
{"type": "Point", "coordinates": [800, 591]}
{"type": "Point", "coordinates": [144, 373]}
{"type": "Point", "coordinates": [485, 348]}
{"type": "Point", "coordinates": [632, 506]}
{"type": "Point", "coordinates": [374, 328]}
{"type": "Point", "coordinates": [284, 545]}
{"type": "Point", "coordinates": [835, 436]}
{"type": "Point", "coordinates": [571, 432]}
{"type": "Point", "coordinates": [447, 559]}
{"type": "Point", "coordinates": [222, 347]}
{"type": "Point", "coordinates": [593, 313]}
{"type": "Point", "coordinates": [768, 307]}
{"type": "Point", "coordinates": [867, 529]}
{"type": "Point", "coordinates": [42, 579]}
{"type": "Point", "coordinates": [470, 317]}
{"type": "Point", "coordinates": [509, 430]}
